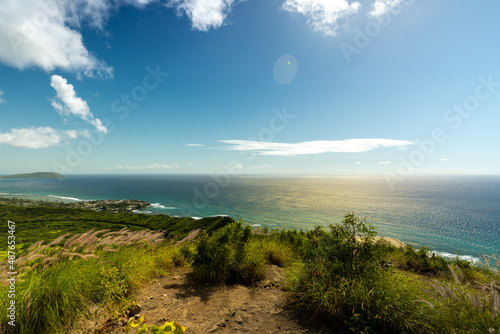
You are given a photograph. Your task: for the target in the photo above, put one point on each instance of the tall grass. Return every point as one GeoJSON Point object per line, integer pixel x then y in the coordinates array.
{"type": "Point", "coordinates": [228, 257]}
{"type": "Point", "coordinates": [458, 308]}
{"type": "Point", "coordinates": [344, 284]}
{"type": "Point", "coordinates": [234, 255]}
{"type": "Point", "coordinates": [57, 282]}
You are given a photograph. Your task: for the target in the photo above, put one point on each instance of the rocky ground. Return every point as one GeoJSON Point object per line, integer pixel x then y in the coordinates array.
{"type": "Point", "coordinates": [264, 308]}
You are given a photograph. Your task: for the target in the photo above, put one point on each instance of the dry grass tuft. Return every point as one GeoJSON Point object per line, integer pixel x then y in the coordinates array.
{"type": "Point", "coordinates": [82, 245]}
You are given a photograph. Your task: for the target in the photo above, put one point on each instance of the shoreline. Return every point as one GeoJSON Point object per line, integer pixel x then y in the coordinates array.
{"type": "Point", "coordinates": [108, 205]}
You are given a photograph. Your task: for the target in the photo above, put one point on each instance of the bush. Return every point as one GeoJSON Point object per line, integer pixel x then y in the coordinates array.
{"type": "Point", "coordinates": [167, 258]}
{"type": "Point", "coordinates": [344, 283]}
{"type": "Point", "coordinates": [228, 257]}
{"type": "Point", "coordinates": [278, 253]}
{"type": "Point", "coordinates": [382, 304]}
{"type": "Point", "coordinates": [419, 261]}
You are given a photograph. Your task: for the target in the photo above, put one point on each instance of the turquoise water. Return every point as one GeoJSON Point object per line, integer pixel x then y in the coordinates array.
{"type": "Point", "coordinates": [449, 214]}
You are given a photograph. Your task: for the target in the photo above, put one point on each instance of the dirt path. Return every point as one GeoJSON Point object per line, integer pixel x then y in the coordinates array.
{"type": "Point", "coordinates": [204, 309]}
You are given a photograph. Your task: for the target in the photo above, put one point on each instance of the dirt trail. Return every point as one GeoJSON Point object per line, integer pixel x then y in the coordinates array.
{"type": "Point", "coordinates": [205, 309]}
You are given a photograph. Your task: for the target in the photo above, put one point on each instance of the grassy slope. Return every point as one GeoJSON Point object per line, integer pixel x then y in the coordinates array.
{"type": "Point", "coordinates": [332, 276]}
{"type": "Point", "coordinates": [48, 223]}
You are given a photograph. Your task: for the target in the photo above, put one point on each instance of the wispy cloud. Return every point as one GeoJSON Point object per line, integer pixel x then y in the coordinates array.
{"type": "Point", "coordinates": [194, 145]}
{"type": "Point", "coordinates": [1, 94]}
{"type": "Point", "coordinates": [152, 166]}
{"type": "Point", "coordinates": [323, 16]}
{"type": "Point", "coordinates": [313, 147]}
{"type": "Point", "coordinates": [204, 14]}
{"type": "Point", "coordinates": [262, 166]}
{"type": "Point", "coordinates": [381, 7]}
{"type": "Point", "coordinates": [443, 160]}
{"type": "Point", "coordinates": [67, 103]}
{"type": "Point", "coordinates": [35, 138]}
{"type": "Point", "coordinates": [384, 162]}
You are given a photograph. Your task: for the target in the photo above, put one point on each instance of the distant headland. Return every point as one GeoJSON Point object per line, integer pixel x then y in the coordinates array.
{"type": "Point", "coordinates": [32, 176]}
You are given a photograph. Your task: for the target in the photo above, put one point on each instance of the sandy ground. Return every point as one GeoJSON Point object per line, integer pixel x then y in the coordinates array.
{"type": "Point", "coordinates": [204, 309]}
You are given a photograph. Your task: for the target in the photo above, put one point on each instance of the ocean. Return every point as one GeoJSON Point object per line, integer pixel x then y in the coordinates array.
{"type": "Point", "coordinates": [449, 214]}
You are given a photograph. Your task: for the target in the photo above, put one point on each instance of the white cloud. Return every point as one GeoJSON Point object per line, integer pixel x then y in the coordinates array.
{"type": "Point", "coordinates": [384, 162]}
{"type": "Point", "coordinates": [262, 166]}
{"type": "Point", "coordinates": [152, 166]}
{"type": "Point", "coordinates": [41, 33]}
{"type": "Point", "coordinates": [381, 7]}
{"type": "Point", "coordinates": [314, 147]}
{"type": "Point", "coordinates": [35, 138]}
{"type": "Point", "coordinates": [194, 145]}
{"type": "Point", "coordinates": [323, 16]}
{"type": "Point", "coordinates": [443, 160]}
{"type": "Point", "coordinates": [1, 94]}
{"type": "Point", "coordinates": [204, 14]}
{"type": "Point", "coordinates": [72, 105]}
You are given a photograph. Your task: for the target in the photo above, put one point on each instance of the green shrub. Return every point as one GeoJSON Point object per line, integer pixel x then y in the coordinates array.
{"type": "Point", "coordinates": [419, 261]}
{"type": "Point", "coordinates": [276, 252]}
{"type": "Point", "coordinates": [169, 257]}
{"type": "Point", "coordinates": [382, 304]}
{"type": "Point", "coordinates": [344, 283]}
{"type": "Point", "coordinates": [228, 257]}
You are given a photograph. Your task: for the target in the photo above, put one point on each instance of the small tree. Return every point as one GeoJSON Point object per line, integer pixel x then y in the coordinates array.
{"type": "Point", "coordinates": [355, 250]}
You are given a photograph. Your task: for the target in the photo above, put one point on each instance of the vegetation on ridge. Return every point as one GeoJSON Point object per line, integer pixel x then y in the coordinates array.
{"type": "Point", "coordinates": [32, 176]}
{"type": "Point", "coordinates": [341, 275]}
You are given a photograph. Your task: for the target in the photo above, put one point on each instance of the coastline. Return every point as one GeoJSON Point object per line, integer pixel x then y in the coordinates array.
{"type": "Point", "coordinates": [175, 209]}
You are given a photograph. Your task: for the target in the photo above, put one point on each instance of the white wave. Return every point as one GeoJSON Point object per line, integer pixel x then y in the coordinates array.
{"type": "Point", "coordinates": [67, 198]}
{"type": "Point", "coordinates": [143, 211]}
{"type": "Point", "coordinates": [469, 258]}
{"type": "Point", "coordinates": [161, 206]}
{"type": "Point", "coordinates": [197, 218]}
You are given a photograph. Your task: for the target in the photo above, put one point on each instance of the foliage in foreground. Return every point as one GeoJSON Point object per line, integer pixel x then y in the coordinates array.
{"type": "Point", "coordinates": [58, 290]}
{"type": "Point", "coordinates": [345, 284]}
{"type": "Point", "coordinates": [339, 275]}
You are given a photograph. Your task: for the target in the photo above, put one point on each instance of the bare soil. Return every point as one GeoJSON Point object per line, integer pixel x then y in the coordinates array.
{"type": "Point", "coordinates": [264, 308]}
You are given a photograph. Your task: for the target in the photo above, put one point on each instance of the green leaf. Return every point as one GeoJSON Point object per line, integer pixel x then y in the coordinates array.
{"type": "Point", "coordinates": [137, 324]}
{"type": "Point", "coordinates": [143, 329]}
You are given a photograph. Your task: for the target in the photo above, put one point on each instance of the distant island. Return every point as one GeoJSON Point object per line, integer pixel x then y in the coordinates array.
{"type": "Point", "coordinates": [32, 176]}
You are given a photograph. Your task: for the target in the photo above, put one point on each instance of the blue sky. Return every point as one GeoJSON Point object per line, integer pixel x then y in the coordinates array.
{"type": "Point", "coordinates": [389, 87]}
